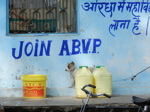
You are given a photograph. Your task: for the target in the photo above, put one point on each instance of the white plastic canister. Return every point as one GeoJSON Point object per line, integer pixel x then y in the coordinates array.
{"type": "Point", "coordinates": [83, 77]}
{"type": "Point", "coordinates": [102, 81]}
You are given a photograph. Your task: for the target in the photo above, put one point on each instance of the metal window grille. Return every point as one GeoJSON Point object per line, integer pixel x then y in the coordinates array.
{"type": "Point", "coordinates": [42, 16]}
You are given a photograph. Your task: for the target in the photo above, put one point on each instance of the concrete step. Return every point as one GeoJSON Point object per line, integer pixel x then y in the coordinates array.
{"type": "Point", "coordinates": [67, 104]}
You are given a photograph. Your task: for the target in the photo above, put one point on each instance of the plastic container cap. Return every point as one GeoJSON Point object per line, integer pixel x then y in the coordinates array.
{"type": "Point", "coordinates": [99, 66]}
{"type": "Point", "coordinates": [83, 66]}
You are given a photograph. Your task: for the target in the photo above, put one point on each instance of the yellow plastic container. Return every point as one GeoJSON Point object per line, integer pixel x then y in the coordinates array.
{"type": "Point", "coordinates": [34, 86]}
{"type": "Point", "coordinates": [83, 77]}
{"type": "Point", "coordinates": [102, 81]}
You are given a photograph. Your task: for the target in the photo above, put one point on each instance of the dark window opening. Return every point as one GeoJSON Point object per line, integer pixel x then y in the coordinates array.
{"type": "Point", "coordinates": [42, 16]}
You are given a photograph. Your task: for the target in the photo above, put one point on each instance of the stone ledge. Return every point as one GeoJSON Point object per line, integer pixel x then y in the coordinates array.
{"type": "Point", "coordinates": [67, 104]}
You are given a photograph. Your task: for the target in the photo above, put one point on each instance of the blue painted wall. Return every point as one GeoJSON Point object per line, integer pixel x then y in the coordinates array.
{"type": "Point", "coordinates": [123, 49]}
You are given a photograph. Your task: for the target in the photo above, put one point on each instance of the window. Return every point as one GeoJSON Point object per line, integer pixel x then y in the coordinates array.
{"type": "Point", "coordinates": [42, 16]}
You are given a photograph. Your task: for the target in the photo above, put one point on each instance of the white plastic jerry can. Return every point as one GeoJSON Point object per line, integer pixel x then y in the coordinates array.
{"type": "Point", "coordinates": [83, 77]}
{"type": "Point", "coordinates": [102, 81]}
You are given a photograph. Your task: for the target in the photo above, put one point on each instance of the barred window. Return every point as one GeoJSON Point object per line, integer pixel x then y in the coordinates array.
{"type": "Point", "coordinates": [42, 16]}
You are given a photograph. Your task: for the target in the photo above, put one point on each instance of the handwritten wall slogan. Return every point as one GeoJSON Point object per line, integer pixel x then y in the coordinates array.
{"type": "Point", "coordinates": [109, 8]}
{"type": "Point", "coordinates": [43, 48]}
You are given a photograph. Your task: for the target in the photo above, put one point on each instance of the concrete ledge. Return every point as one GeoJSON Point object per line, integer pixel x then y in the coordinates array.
{"type": "Point", "coordinates": [66, 104]}
{"type": "Point", "coordinates": [61, 101]}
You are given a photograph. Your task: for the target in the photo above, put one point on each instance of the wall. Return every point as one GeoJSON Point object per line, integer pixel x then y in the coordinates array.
{"type": "Point", "coordinates": [112, 35]}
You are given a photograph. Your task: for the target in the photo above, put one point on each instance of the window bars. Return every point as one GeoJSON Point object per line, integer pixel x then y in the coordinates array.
{"type": "Point", "coordinates": [42, 16]}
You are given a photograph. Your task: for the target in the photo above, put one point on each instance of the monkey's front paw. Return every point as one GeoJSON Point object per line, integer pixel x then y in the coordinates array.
{"type": "Point", "coordinates": [70, 86]}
